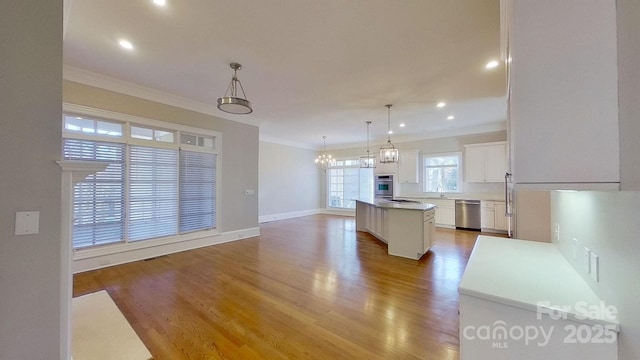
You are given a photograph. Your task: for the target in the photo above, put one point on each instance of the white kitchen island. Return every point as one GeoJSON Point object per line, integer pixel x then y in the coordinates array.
{"type": "Point", "coordinates": [408, 228]}
{"type": "Point", "coordinates": [523, 300]}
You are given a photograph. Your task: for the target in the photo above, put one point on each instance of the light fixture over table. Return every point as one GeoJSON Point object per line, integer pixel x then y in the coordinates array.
{"type": "Point", "coordinates": [231, 103]}
{"type": "Point", "coordinates": [368, 161]}
{"type": "Point", "coordinates": [388, 152]}
{"type": "Point", "coordinates": [325, 160]}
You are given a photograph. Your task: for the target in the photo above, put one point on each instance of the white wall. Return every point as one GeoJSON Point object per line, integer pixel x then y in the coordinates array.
{"type": "Point", "coordinates": [289, 182]}
{"type": "Point", "coordinates": [30, 143]}
{"type": "Point", "coordinates": [435, 146]}
{"type": "Point", "coordinates": [606, 223]}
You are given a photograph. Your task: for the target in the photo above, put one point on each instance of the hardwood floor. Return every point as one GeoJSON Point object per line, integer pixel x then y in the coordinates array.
{"type": "Point", "coordinates": [307, 288]}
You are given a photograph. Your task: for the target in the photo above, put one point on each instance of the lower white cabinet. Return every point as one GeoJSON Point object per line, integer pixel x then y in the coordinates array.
{"type": "Point", "coordinates": [445, 212]}
{"type": "Point", "coordinates": [408, 230]}
{"type": "Point", "coordinates": [492, 216]}
{"type": "Point", "coordinates": [500, 210]}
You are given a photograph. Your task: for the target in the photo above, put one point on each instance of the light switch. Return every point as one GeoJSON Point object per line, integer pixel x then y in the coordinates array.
{"type": "Point", "coordinates": [249, 192]}
{"type": "Point", "coordinates": [27, 222]}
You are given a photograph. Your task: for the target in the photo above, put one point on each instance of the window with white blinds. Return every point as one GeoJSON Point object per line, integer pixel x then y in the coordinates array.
{"type": "Point", "coordinates": [197, 191]}
{"type": "Point", "coordinates": [153, 192]}
{"type": "Point", "coordinates": [151, 188]}
{"type": "Point", "coordinates": [98, 207]}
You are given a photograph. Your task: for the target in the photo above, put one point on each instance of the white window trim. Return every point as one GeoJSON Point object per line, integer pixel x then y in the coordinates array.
{"type": "Point", "coordinates": [108, 249]}
{"type": "Point", "coordinates": [460, 165]}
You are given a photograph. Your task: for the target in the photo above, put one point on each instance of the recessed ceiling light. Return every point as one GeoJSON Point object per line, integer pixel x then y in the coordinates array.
{"type": "Point", "coordinates": [390, 132]}
{"type": "Point", "coordinates": [450, 117]}
{"type": "Point", "coordinates": [491, 64]}
{"type": "Point", "coordinates": [441, 104]}
{"type": "Point", "coordinates": [160, 2]}
{"type": "Point", "coordinates": [78, 117]}
{"type": "Point", "coordinates": [125, 44]}
{"type": "Point", "coordinates": [402, 125]}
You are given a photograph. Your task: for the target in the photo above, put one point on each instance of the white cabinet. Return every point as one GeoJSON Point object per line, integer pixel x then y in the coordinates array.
{"type": "Point", "coordinates": [485, 162]}
{"type": "Point", "coordinates": [408, 166]}
{"type": "Point", "coordinates": [445, 212]}
{"type": "Point", "coordinates": [408, 230]}
{"type": "Point", "coordinates": [500, 215]}
{"type": "Point", "coordinates": [487, 215]}
{"type": "Point", "coordinates": [385, 168]}
{"type": "Point", "coordinates": [492, 216]}
{"type": "Point", "coordinates": [563, 91]}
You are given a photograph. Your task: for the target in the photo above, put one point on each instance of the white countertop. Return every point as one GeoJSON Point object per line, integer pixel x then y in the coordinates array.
{"type": "Point", "coordinates": [523, 274]}
{"type": "Point", "coordinates": [388, 204]}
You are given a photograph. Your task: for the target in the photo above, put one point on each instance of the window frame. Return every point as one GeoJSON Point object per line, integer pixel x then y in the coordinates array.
{"type": "Point", "coordinates": [128, 120]}
{"type": "Point", "coordinates": [425, 168]}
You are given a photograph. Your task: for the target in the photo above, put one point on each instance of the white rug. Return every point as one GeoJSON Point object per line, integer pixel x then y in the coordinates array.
{"type": "Point", "coordinates": [101, 332]}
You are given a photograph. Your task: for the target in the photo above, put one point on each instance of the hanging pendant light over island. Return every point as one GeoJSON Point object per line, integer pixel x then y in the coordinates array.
{"type": "Point", "coordinates": [388, 152]}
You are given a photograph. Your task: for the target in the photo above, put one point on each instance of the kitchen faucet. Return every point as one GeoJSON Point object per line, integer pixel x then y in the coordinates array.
{"type": "Point", "coordinates": [441, 189]}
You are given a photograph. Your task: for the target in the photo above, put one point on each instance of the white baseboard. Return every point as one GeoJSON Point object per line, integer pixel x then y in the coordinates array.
{"type": "Point", "coordinates": [288, 215]}
{"type": "Point", "coordinates": [104, 257]}
{"type": "Point", "coordinates": [339, 212]}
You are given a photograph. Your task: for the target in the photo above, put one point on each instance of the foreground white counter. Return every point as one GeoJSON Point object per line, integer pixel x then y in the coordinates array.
{"type": "Point", "coordinates": [523, 300]}
{"type": "Point", "coordinates": [407, 228]}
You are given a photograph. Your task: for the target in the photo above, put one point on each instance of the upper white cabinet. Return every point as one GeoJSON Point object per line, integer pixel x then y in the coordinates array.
{"type": "Point", "coordinates": [408, 166]}
{"type": "Point", "coordinates": [485, 162]}
{"type": "Point", "coordinates": [563, 90]}
{"type": "Point", "coordinates": [385, 168]}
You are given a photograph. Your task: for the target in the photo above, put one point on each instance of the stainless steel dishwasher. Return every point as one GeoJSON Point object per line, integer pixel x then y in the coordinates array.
{"type": "Point", "coordinates": [468, 214]}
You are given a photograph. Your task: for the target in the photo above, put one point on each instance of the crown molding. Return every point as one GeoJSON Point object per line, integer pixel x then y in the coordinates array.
{"type": "Point", "coordinates": [90, 78]}
{"type": "Point", "coordinates": [286, 142]}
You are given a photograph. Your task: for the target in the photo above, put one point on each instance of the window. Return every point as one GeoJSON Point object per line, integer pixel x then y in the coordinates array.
{"type": "Point", "coordinates": [442, 173]}
{"type": "Point", "coordinates": [152, 188]}
{"type": "Point", "coordinates": [347, 181]}
{"type": "Point", "coordinates": [98, 207]}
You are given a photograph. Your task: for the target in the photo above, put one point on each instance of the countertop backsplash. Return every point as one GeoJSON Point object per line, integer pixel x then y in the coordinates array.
{"type": "Point", "coordinates": [476, 191]}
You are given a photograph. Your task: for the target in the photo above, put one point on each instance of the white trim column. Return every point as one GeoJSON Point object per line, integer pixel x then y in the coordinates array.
{"type": "Point", "coordinates": [72, 173]}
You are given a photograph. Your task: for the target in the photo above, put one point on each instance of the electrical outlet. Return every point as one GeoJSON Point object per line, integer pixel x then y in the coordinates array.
{"type": "Point", "coordinates": [557, 232]}
{"type": "Point", "coordinates": [586, 258]}
{"type": "Point", "coordinates": [594, 263]}
{"type": "Point", "coordinates": [574, 248]}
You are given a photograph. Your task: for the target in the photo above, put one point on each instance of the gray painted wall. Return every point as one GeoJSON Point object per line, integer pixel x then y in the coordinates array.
{"type": "Point", "coordinates": [607, 224]}
{"type": "Point", "coordinates": [239, 147]}
{"type": "Point", "coordinates": [30, 129]}
{"type": "Point", "coordinates": [289, 179]}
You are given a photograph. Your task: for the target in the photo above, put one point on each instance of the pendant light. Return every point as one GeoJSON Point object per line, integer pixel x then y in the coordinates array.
{"type": "Point", "coordinates": [325, 160]}
{"type": "Point", "coordinates": [368, 161]}
{"type": "Point", "coordinates": [231, 103]}
{"type": "Point", "coordinates": [388, 152]}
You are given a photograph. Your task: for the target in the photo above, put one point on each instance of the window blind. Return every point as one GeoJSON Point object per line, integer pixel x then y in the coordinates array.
{"type": "Point", "coordinates": [197, 191]}
{"type": "Point", "coordinates": [153, 192]}
{"type": "Point", "coordinates": [98, 208]}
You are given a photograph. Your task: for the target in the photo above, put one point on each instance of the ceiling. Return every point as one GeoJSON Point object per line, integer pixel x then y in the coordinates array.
{"type": "Point", "coordinates": [310, 67]}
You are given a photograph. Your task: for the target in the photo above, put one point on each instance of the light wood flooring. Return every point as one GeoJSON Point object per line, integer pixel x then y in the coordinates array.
{"type": "Point", "coordinates": [307, 288]}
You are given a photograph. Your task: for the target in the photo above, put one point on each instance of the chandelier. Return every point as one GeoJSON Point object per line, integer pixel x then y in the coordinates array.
{"type": "Point", "coordinates": [325, 160]}
{"type": "Point", "coordinates": [388, 152]}
{"type": "Point", "coordinates": [368, 161]}
{"type": "Point", "coordinates": [231, 103]}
